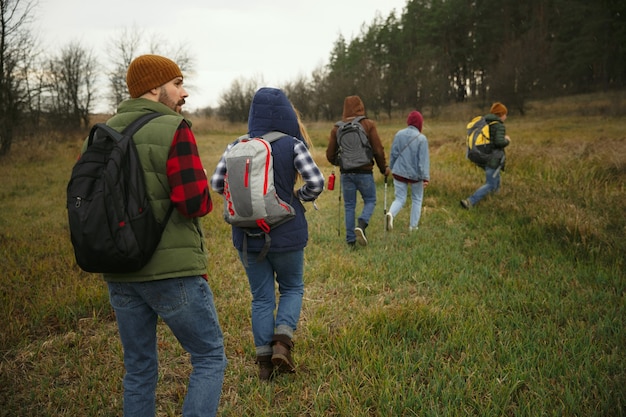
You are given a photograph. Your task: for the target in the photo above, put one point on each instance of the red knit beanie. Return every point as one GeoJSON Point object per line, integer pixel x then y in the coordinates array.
{"type": "Point", "coordinates": [150, 71]}
{"type": "Point", "coordinates": [415, 119]}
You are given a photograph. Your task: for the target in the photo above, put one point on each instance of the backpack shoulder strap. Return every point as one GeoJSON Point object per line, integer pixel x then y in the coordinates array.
{"type": "Point", "coordinates": [410, 141]}
{"type": "Point", "coordinates": [273, 136]}
{"type": "Point", "coordinates": [129, 130]}
{"type": "Point", "coordinates": [357, 122]}
{"type": "Point", "coordinates": [139, 122]}
{"type": "Point", "coordinates": [269, 136]}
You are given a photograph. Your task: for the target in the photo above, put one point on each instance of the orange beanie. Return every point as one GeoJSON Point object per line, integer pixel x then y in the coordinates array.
{"type": "Point", "coordinates": [150, 71]}
{"type": "Point", "coordinates": [498, 109]}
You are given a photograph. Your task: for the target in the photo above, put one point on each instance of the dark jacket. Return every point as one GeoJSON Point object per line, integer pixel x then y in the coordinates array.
{"type": "Point", "coordinates": [352, 107]}
{"type": "Point", "coordinates": [497, 133]}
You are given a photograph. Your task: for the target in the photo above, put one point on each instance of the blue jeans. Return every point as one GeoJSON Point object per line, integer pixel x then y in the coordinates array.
{"type": "Point", "coordinates": [186, 306]}
{"type": "Point", "coordinates": [492, 184]}
{"type": "Point", "coordinates": [287, 269]}
{"type": "Point", "coordinates": [417, 194]}
{"type": "Point", "coordinates": [364, 184]}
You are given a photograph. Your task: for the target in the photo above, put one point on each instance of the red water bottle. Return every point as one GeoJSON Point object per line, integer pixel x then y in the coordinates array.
{"type": "Point", "coordinates": [331, 181]}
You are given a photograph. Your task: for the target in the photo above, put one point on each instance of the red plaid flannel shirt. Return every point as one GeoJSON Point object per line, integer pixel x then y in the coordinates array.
{"type": "Point", "coordinates": [186, 176]}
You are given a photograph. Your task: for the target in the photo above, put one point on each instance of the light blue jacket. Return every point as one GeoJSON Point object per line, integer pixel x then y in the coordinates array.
{"type": "Point", "coordinates": [409, 155]}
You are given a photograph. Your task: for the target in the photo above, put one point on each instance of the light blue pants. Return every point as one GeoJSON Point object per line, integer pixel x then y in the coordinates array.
{"type": "Point", "coordinates": [417, 194]}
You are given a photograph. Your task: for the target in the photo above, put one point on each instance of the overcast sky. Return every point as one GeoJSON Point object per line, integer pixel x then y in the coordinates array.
{"type": "Point", "coordinates": [271, 40]}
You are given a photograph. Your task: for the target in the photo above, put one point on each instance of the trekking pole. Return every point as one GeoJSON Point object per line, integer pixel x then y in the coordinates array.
{"type": "Point", "coordinates": [339, 209]}
{"type": "Point", "coordinates": [385, 204]}
{"type": "Point", "coordinates": [495, 173]}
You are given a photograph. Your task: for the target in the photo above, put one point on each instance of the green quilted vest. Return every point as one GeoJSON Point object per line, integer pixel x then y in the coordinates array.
{"type": "Point", "coordinates": [182, 251]}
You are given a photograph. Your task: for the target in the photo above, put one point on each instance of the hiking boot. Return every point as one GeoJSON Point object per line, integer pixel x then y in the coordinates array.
{"type": "Point", "coordinates": [360, 233]}
{"type": "Point", "coordinates": [389, 221]}
{"type": "Point", "coordinates": [266, 367]}
{"type": "Point", "coordinates": [281, 358]}
{"type": "Point", "coordinates": [466, 204]}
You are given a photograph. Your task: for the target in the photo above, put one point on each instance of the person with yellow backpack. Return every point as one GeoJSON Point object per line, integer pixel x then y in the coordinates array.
{"type": "Point", "coordinates": [487, 139]}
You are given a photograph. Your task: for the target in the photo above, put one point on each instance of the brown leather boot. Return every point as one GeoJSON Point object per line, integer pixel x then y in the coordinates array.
{"type": "Point", "coordinates": [281, 358]}
{"type": "Point", "coordinates": [266, 367]}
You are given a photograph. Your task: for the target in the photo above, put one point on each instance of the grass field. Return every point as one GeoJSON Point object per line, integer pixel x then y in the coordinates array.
{"type": "Point", "coordinates": [514, 308]}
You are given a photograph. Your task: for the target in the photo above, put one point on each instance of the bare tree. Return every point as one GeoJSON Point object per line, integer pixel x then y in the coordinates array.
{"type": "Point", "coordinates": [300, 95]}
{"type": "Point", "coordinates": [16, 43]}
{"type": "Point", "coordinates": [127, 46]}
{"type": "Point", "coordinates": [121, 51]}
{"type": "Point", "coordinates": [72, 78]}
{"type": "Point", "coordinates": [235, 103]}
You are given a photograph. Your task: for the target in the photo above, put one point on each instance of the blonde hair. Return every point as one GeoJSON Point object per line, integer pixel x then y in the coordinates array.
{"type": "Point", "coordinates": [303, 132]}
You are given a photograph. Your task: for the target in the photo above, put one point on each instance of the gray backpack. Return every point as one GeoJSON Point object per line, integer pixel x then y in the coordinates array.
{"type": "Point", "coordinates": [250, 198]}
{"type": "Point", "coordinates": [353, 147]}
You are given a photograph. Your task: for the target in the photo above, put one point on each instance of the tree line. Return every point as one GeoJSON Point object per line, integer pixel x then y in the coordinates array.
{"type": "Point", "coordinates": [425, 56]}
{"type": "Point", "coordinates": [438, 51]}
{"type": "Point", "coordinates": [58, 90]}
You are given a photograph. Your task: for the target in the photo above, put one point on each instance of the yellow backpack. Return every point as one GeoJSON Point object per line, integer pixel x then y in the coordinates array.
{"type": "Point", "coordinates": [478, 141]}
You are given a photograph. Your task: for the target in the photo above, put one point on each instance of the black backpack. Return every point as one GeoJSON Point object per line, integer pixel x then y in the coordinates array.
{"type": "Point", "coordinates": [353, 147]}
{"type": "Point", "coordinates": [111, 221]}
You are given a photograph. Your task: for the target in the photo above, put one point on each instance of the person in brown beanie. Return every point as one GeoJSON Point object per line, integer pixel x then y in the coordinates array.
{"type": "Point", "coordinates": [498, 141]}
{"type": "Point", "coordinates": [173, 285]}
{"type": "Point", "coordinates": [410, 166]}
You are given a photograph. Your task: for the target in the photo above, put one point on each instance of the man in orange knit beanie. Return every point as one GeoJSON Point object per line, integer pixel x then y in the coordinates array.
{"type": "Point", "coordinates": [173, 285]}
{"type": "Point", "coordinates": [498, 141]}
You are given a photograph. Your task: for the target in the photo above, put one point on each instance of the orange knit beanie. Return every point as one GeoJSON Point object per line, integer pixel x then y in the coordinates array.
{"type": "Point", "coordinates": [150, 71]}
{"type": "Point", "coordinates": [498, 109]}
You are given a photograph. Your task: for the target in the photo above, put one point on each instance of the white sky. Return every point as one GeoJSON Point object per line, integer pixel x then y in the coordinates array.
{"type": "Point", "coordinates": [275, 41]}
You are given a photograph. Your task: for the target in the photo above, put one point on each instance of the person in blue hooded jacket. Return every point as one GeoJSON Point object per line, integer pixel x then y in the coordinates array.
{"type": "Point", "coordinates": [410, 166]}
{"type": "Point", "coordinates": [270, 111]}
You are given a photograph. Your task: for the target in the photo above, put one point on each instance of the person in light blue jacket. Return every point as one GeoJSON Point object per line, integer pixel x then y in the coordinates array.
{"type": "Point", "coordinates": [410, 165]}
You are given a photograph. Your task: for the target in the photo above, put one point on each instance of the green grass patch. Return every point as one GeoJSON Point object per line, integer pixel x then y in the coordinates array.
{"type": "Point", "coordinates": [513, 308]}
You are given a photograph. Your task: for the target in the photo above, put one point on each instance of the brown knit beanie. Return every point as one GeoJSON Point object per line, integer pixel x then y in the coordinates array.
{"type": "Point", "coordinates": [498, 109]}
{"type": "Point", "coordinates": [150, 71]}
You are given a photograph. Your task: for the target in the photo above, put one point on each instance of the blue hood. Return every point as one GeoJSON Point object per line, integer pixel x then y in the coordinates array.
{"type": "Point", "coordinates": [271, 110]}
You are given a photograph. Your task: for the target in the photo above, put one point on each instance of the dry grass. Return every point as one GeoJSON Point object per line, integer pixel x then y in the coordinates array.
{"type": "Point", "coordinates": [514, 308]}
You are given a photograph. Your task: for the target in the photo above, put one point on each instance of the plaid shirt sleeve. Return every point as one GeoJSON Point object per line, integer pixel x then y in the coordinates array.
{"type": "Point", "coordinates": [303, 163]}
{"type": "Point", "coordinates": [217, 179]}
{"type": "Point", "coordinates": [311, 174]}
{"type": "Point", "coordinates": [186, 176]}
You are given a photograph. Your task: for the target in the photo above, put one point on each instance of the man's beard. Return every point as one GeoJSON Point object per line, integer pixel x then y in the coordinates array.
{"type": "Point", "coordinates": [167, 100]}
